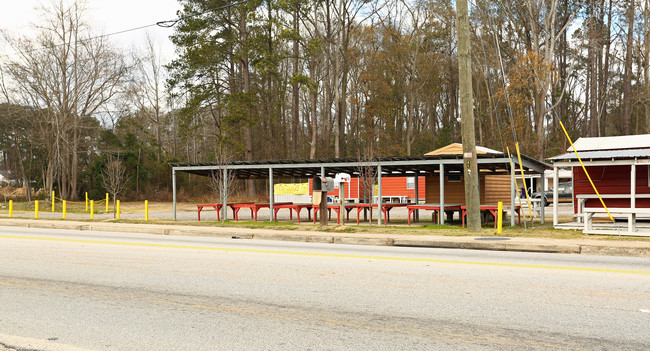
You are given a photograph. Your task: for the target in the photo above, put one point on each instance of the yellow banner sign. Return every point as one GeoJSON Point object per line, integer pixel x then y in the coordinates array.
{"type": "Point", "coordinates": [291, 189]}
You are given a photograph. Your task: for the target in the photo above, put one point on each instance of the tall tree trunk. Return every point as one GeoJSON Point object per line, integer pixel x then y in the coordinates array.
{"type": "Point", "coordinates": [74, 167]}
{"type": "Point", "coordinates": [604, 69]}
{"type": "Point", "coordinates": [342, 109]}
{"type": "Point", "coordinates": [646, 51]}
{"type": "Point", "coordinates": [295, 86]}
{"type": "Point", "coordinates": [245, 71]}
{"type": "Point", "coordinates": [593, 53]}
{"type": "Point", "coordinates": [627, 77]}
{"type": "Point", "coordinates": [313, 99]}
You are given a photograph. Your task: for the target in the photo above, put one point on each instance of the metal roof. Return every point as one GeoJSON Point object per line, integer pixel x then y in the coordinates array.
{"type": "Point", "coordinates": [604, 154]}
{"type": "Point", "coordinates": [457, 149]}
{"type": "Point", "coordinates": [612, 143]}
{"type": "Point", "coordinates": [391, 166]}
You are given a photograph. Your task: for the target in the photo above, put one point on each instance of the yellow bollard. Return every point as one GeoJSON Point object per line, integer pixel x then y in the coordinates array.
{"type": "Point", "coordinates": [64, 210]}
{"type": "Point", "coordinates": [500, 217]}
{"type": "Point", "coordinates": [146, 210]}
{"type": "Point", "coordinates": [52, 200]}
{"type": "Point", "coordinates": [117, 213]}
{"type": "Point", "coordinates": [11, 208]}
{"type": "Point", "coordinates": [106, 202]}
{"type": "Point", "coordinates": [92, 209]}
{"type": "Point", "coordinates": [36, 209]}
{"type": "Point", "coordinates": [86, 201]}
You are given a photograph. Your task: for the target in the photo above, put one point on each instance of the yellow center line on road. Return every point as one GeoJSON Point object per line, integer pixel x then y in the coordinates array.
{"type": "Point", "coordinates": [323, 254]}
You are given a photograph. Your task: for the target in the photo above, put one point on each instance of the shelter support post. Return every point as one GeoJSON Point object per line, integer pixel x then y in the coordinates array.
{"type": "Point", "coordinates": [556, 183]}
{"type": "Point", "coordinates": [271, 193]}
{"type": "Point", "coordinates": [378, 194]}
{"type": "Point", "coordinates": [224, 200]}
{"type": "Point", "coordinates": [322, 209]}
{"type": "Point", "coordinates": [542, 213]}
{"type": "Point", "coordinates": [174, 190]}
{"type": "Point", "coordinates": [633, 186]}
{"type": "Point", "coordinates": [417, 199]}
{"type": "Point", "coordinates": [442, 194]}
{"type": "Point", "coordinates": [513, 191]}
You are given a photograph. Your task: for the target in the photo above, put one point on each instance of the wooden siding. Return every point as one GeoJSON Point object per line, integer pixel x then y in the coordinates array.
{"type": "Point", "coordinates": [610, 180]}
{"type": "Point", "coordinates": [493, 188]}
{"type": "Point", "coordinates": [496, 188]}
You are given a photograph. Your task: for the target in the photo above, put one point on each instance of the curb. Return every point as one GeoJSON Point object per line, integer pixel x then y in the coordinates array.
{"type": "Point", "coordinates": [468, 243]}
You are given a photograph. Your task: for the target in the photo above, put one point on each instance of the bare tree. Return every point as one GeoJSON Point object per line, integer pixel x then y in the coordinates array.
{"type": "Point", "coordinates": [366, 170]}
{"type": "Point", "coordinates": [114, 178]}
{"type": "Point", "coordinates": [149, 92]}
{"type": "Point", "coordinates": [222, 181]}
{"type": "Point", "coordinates": [69, 73]}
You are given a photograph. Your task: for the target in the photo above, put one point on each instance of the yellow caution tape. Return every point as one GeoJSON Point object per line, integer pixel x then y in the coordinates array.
{"type": "Point", "coordinates": [587, 173]}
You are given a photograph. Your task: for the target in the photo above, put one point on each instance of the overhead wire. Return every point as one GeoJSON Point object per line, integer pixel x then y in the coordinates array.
{"type": "Point", "coordinates": [79, 41]}
{"type": "Point", "coordinates": [162, 24]}
{"type": "Point", "coordinates": [171, 23]}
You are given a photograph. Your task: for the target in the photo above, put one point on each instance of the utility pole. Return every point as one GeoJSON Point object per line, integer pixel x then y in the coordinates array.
{"type": "Point", "coordinates": [471, 176]}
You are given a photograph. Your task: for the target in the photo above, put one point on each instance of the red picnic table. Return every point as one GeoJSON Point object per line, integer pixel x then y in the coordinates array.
{"type": "Point", "coordinates": [435, 207]}
{"type": "Point", "coordinates": [217, 207]}
{"type": "Point", "coordinates": [492, 209]}
{"type": "Point", "coordinates": [337, 209]}
{"type": "Point", "coordinates": [292, 207]}
{"type": "Point", "coordinates": [385, 208]}
{"type": "Point", "coordinates": [254, 208]}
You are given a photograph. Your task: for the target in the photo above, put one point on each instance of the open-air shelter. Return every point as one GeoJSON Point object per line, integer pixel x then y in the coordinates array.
{"type": "Point", "coordinates": [619, 168]}
{"type": "Point", "coordinates": [411, 166]}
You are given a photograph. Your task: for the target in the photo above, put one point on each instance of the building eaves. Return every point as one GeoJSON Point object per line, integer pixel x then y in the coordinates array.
{"type": "Point", "coordinates": [603, 154]}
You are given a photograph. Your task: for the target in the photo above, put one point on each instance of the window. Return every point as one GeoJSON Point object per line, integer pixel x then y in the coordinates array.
{"type": "Point", "coordinates": [410, 182]}
{"type": "Point", "coordinates": [454, 178]}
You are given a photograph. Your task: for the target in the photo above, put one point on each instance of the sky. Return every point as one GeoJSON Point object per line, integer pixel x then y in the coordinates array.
{"type": "Point", "coordinates": [106, 16]}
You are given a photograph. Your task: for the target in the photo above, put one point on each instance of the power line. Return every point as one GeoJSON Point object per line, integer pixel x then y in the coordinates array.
{"type": "Point", "coordinates": [171, 23]}
{"type": "Point", "coordinates": [79, 41]}
{"type": "Point", "coordinates": [163, 24]}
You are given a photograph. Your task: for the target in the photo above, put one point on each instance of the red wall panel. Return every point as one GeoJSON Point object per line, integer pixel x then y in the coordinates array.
{"type": "Point", "coordinates": [613, 179]}
{"type": "Point", "coordinates": [390, 186]}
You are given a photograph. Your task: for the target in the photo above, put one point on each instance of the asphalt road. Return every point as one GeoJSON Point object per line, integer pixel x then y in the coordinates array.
{"type": "Point", "coordinates": [117, 291]}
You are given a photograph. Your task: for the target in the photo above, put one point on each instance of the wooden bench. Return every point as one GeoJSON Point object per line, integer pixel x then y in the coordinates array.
{"type": "Point", "coordinates": [492, 209]}
{"type": "Point", "coordinates": [433, 207]}
{"type": "Point", "coordinates": [254, 208]}
{"type": "Point", "coordinates": [217, 207]}
{"type": "Point", "coordinates": [385, 209]}
{"type": "Point", "coordinates": [292, 207]}
{"type": "Point", "coordinates": [582, 199]}
{"type": "Point", "coordinates": [617, 212]}
{"type": "Point", "coordinates": [337, 210]}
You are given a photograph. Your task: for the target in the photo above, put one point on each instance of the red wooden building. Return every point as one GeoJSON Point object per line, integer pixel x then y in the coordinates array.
{"type": "Point", "coordinates": [394, 189]}
{"type": "Point", "coordinates": [619, 169]}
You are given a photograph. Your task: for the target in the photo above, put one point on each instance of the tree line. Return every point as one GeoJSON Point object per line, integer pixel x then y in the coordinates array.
{"type": "Point", "coordinates": [317, 79]}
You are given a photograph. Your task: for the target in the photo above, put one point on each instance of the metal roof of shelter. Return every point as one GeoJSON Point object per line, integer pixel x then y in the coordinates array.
{"type": "Point", "coordinates": [391, 166]}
